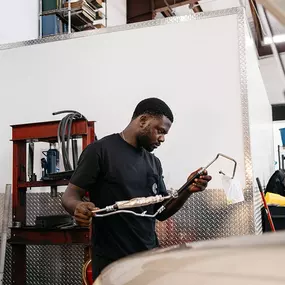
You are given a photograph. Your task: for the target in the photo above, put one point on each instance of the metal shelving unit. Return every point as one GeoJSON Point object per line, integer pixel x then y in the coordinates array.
{"type": "Point", "coordinates": [23, 235]}
{"type": "Point", "coordinates": [77, 15]}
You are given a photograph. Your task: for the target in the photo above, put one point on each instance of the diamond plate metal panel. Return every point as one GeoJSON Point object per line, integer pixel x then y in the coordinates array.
{"type": "Point", "coordinates": [42, 204]}
{"type": "Point", "coordinates": [64, 262]}
{"type": "Point", "coordinates": [257, 206]}
{"type": "Point", "coordinates": [46, 264]}
{"type": "Point", "coordinates": [251, 193]}
{"type": "Point", "coordinates": [244, 102]}
{"type": "Point", "coordinates": [8, 266]}
{"type": "Point", "coordinates": [57, 265]}
{"type": "Point", "coordinates": [206, 216]}
{"type": "Point", "coordinates": [8, 258]}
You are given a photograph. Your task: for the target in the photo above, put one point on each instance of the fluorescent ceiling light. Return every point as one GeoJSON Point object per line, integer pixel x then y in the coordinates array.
{"type": "Point", "coordinates": [276, 39]}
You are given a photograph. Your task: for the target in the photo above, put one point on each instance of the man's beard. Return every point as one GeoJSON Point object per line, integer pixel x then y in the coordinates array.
{"type": "Point", "coordinates": [143, 140]}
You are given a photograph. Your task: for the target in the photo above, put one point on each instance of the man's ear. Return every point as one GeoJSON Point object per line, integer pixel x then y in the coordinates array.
{"type": "Point", "coordinates": [143, 119]}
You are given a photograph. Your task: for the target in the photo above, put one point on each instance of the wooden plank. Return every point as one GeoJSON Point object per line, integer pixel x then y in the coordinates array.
{"type": "Point", "coordinates": [19, 268]}
{"type": "Point", "coordinates": [161, 7]}
{"type": "Point", "coordinates": [19, 211]}
{"type": "Point", "coordinates": [42, 183]}
{"type": "Point", "coordinates": [46, 130]}
{"type": "Point", "coordinates": [19, 174]}
{"type": "Point", "coordinates": [36, 236]}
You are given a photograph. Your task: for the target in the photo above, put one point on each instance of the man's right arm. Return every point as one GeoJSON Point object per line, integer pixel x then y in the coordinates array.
{"type": "Point", "coordinates": [84, 178]}
{"type": "Point", "coordinates": [73, 204]}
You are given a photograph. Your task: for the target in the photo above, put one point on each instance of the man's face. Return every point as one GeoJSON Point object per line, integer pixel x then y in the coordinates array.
{"type": "Point", "coordinates": [152, 131]}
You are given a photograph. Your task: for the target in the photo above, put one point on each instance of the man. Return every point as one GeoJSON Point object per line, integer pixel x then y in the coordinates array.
{"type": "Point", "coordinates": [121, 167]}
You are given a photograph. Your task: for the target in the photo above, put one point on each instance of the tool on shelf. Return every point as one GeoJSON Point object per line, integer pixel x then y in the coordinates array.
{"type": "Point", "coordinates": [72, 16]}
{"type": "Point", "coordinates": [31, 174]}
{"type": "Point", "coordinates": [50, 163]}
{"type": "Point", "coordinates": [120, 206]}
{"type": "Point", "coordinates": [51, 160]}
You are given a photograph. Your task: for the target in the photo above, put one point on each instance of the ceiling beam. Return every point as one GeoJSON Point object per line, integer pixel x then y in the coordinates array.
{"type": "Point", "coordinates": [145, 10]}
{"type": "Point", "coordinates": [161, 5]}
{"type": "Point", "coordinates": [139, 10]}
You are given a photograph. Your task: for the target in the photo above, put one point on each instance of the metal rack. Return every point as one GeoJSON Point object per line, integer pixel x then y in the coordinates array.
{"type": "Point", "coordinates": [65, 14]}
{"type": "Point", "coordinates": [281, 157]}
{"type": "Point", "coordinates": [22, 234]}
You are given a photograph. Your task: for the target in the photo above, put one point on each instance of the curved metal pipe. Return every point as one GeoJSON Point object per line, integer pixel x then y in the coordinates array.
{"type": "Point", "coordinates": [140, 201]}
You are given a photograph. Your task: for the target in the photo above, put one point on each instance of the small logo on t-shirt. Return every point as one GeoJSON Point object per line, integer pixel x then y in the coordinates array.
{"type": "Point", "coordinates": [154, 188]}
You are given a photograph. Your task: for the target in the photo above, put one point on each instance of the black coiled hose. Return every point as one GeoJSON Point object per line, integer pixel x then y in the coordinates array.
{"type": "Point", "coordinates": [64, 140]}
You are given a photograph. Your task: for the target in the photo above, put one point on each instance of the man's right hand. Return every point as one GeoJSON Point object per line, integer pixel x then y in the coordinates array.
{"type": "Point", "coordinates": [83, 213]}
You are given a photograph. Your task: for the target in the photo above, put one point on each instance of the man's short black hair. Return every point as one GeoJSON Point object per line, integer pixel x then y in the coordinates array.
{"type": "Point", "coordinates": [153, 106]}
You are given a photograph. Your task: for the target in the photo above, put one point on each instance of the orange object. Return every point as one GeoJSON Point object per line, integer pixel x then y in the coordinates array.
{"type": "Point", "coordinates": [87, 266]}
{"type": "Point", "coordinates": [87, 273]}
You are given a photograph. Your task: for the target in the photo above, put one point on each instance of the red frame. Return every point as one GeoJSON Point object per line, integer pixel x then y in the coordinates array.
{"type": "Point", "coordinates": [20, 237]}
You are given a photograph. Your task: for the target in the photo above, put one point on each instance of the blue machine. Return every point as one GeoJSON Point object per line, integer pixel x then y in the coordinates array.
{"type": "Point", "coordinates": [50, 164]}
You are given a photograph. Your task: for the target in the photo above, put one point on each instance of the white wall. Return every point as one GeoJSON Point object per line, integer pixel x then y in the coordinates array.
{"type": "Point", "coordinates": [18, 20]}
{"type": "Point", "coordinates": [272, 80]}
{"type": "Point", "coordinates": [116, 12]}
{"type": "Point", "coordinates": [260, 116]}
{"type": "Point", "coordinates": [200, 131]}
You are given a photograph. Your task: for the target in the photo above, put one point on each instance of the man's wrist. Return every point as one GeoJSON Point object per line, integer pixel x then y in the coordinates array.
{"type": "Point", "coordinates": [72, 205]}
{"type": "Point", "coordinates": [76, 203]}
{"type": "Point", "coordinates": [186, 193]}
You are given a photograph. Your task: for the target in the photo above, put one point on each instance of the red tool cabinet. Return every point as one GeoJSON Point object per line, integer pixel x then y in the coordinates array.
{"type": "Point", "coordinates": [23, 235]}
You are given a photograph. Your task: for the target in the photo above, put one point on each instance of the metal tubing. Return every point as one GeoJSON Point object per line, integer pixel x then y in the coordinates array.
{"type": "Point", "coordinates": [279, 161]}
{"type": "Point", "coordinates": [40, 19]}
{"type": "Point", "coordinates": [106, 15]}
{"type": "Point", "coordinates": [74, 152]}
{"type": "Point", "coordinates": [225, 156]}
{"type": "Point", "coordinates": [114, 208]}
{"type": "Point", "coordinates": [69, 16]}
{"type": "Point", "coordinates": [143, 214]}
{"type": "Point", "coordinates": [190, 181]}
{"type": "Point", "coordinates": [7, 202]}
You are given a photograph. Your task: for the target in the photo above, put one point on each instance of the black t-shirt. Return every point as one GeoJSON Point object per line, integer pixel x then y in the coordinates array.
{"type": "Point", "coordinates": [113, 170]}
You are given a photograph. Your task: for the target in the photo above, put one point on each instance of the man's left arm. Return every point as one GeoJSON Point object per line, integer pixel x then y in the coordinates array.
{"type": "Point", "coordinates": [198, 185]}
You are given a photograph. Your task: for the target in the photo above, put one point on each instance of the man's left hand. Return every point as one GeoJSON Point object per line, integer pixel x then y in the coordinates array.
{"type": "Point", "coordinates": [201, 183]}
